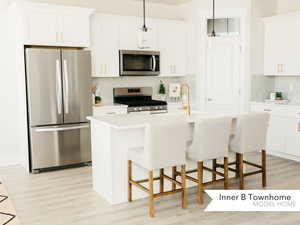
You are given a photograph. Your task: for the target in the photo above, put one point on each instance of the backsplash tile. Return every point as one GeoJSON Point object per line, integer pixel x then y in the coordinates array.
{"type": "Point", "coordinates": [106, 85]}
{"type": "Point", "coordinates": [288, 85]}
{"type": "Point", "coordinates": [261, 87]}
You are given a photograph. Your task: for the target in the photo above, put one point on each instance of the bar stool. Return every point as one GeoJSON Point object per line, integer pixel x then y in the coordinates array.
{"type": "Point", "coordinates": [210, 141]}
{"type": "Point", "coordinates": [250, 136]}
{"type": "Point", "coordinates": [164, 146]}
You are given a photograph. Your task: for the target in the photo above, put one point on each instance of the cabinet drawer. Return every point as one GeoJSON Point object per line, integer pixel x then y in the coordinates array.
{"type": "Point", "coordinates": [105, 112]}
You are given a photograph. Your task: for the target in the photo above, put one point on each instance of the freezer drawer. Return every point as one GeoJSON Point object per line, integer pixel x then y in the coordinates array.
{"type": "Point", "coordinates": [54, 146]}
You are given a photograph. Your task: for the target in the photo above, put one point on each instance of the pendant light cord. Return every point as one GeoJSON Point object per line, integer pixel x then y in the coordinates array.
{"type": "Point", "coordinates": [214, 17]}
{"type": "Point", "coordinates": [145, 29]}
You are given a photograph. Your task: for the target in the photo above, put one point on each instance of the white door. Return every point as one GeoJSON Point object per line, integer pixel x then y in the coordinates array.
{"type": "Point", "coordinates": [223, 76]}
{"type": "Point", "coordinates": [75, 30]}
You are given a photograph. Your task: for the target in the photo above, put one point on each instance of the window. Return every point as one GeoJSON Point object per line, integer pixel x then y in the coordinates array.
{"type": "Point", "coordinates": [224, 26]}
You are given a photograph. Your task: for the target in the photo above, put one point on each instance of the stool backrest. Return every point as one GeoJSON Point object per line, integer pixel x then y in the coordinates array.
{"type": "Point", "coordinates": [250, 132]}
{"type": "Point", "coordinates": [165, 142]}
{"type": "Point", "coordinates": [211, 139]}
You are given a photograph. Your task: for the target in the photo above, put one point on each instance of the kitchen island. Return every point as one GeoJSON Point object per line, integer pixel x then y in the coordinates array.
{"type": "Point", "coordinates": [112, 136]}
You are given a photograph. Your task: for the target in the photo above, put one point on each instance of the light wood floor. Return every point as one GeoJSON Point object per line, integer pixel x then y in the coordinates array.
{"type": "Point", "coordinates": [66, 198]}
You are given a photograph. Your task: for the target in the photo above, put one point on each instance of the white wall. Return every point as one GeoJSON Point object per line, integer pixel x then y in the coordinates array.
{"type": "Point", "coordinates": [286, 6]}
{"type": "Point", "coordinates": [9, 136]}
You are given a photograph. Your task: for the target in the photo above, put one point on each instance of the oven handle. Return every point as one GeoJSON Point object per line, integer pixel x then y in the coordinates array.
{"type": "Point", "coordinates": [154, 63]}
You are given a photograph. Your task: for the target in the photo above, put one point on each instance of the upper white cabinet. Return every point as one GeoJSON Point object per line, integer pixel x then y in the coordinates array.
{"type": "Point", "coordinates": [113, 33]}
{"type": "Point", "coordinates": [282, 47]}
{"type": "Point", "coordinates": [105, 46]}
{"type": "Point", "coordinates": [52, 25]}
{"type": "Point", "coordinates": [172, 43]}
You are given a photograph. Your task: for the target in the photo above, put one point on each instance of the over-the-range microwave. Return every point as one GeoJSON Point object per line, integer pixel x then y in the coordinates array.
{"type": "Point", "coordinates": [139, 63]}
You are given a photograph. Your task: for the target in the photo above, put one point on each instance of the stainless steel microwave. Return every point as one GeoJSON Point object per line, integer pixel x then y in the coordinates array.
{"type": "Point", "coordinates": [139, 63]}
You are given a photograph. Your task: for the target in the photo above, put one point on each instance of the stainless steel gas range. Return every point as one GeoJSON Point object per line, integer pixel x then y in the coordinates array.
{"type": "Point", "coordinates": [139, 99]}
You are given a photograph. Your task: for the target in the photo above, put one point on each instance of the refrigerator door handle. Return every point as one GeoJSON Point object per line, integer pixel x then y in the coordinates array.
{"type": "Point", "coordinates": [66, 90]}
{"type": "Point", "coordinates": [60, 128]}
{"type": "Point", "coordinates": [58, 87]}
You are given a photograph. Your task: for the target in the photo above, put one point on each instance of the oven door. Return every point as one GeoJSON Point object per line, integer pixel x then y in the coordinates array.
{"type": "Point", "coordinates": [139, 63]}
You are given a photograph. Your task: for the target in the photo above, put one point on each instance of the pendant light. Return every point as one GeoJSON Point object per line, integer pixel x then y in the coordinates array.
{"type": "Point", "coordinates": [143, 32]}
{"type": "Point", "coordinates": [213, 33]}
{"type": "Point", "coordinates": [144, 28]}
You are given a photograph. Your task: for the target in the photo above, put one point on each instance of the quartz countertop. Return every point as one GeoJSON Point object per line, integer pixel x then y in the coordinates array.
{"type": "Point", "coordinates": [133, 121]}
{"type": "Point", "coordinates": [111, 105]}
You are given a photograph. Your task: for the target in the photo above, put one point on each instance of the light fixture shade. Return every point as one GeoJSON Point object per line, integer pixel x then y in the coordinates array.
{"type": "Point", "coordinates": [144, 38]}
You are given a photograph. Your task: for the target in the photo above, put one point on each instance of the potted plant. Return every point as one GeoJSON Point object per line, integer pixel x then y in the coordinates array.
{"type": "Point", "coordinates": [162, 90]}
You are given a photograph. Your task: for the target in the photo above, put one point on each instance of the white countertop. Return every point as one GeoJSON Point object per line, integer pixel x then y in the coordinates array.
{"type": "Point", "coordinates": [289, 105]}
{"type": "Point", "coordinates": [133, 121]}
{"type": "Point", "coordinates": [111, 105]}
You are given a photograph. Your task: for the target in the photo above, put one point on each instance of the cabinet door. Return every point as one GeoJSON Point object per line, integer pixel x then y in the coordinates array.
{"type": "Point", "coordinates": [172, 43]}
{"type": "Point", "coordinates": [277, 133]}
{"type": "Point", "coordinates": [42, 28]}
{"type": "Point", "coordinates": [105, 47]}
{"type": "Point", "coordinates": [293, 137]}
{"type": "Point", "coordinates": [75, 30]}
{"type": "Point", "coordinates": [282, 46]}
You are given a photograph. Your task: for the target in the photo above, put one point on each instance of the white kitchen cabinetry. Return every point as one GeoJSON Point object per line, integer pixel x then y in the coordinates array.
{"type": "Point", "coordinates": [53, 25]}
{"type": "Point", "coordinates": [172, 43]}
{"type": "Point", "coordinates": [293, 137]}
{"type": "Point", "coordinates": [282, 45]}
{"type": "Point", "coordinates": [283, 136]}
{"type": "Point", "coordinates": [105, 46]}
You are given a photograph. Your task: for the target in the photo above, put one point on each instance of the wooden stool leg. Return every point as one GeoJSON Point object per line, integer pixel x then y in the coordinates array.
{"type": "Point", "coordinates": [214, 166]}
{"type": "Point", "coordinates": [174, 175]}
{"type": "Point", "coordinates": [264, 168]}
{"type": "Point", "coordinates": [129, 179]}
{"type": "Point", "coordinates": [225, 173]}
{"type": "Point", "coordinates": [237, 160]}
{"type": "Point", "coordinates": [151, 194]}
{"type": "Point", "coordinates": [200, 183]}
{"type": "Point", "coordinates": [241, 171]}
{"type": "Point", "coordinates": [161, 180]}
{"type": "Point", "coordinates": [183, 182]}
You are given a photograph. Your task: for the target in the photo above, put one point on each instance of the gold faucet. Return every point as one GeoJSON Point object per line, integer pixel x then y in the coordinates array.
{"type": "Point", "coordinates": [186, 107]}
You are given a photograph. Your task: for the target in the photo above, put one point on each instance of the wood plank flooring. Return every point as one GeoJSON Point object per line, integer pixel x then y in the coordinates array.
{"type": "Point", "coordinates": [66, 198]}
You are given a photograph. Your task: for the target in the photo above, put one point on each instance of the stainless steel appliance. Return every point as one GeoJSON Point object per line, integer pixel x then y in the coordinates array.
{"type": "Point", "coordinates": [139, 100]}
{"type": "Point", "coordinates": [139, 63]}
{"type": "Point", "coordinates": [58, 100]}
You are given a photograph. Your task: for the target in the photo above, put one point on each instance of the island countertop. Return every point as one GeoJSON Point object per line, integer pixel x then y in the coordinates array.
{"type": "Point", "coordinates": [133, 121]}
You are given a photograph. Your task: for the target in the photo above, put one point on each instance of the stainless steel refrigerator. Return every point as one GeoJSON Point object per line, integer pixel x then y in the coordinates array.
{"type": "Point", "coordinates": [59, 100]}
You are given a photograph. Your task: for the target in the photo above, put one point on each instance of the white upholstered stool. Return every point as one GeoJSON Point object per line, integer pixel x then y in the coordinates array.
{"type": "Point", "coordinates": [250, 136]}
{"type": "Point", "coordinates": [210, 141]}
{"type": "Point", "coordinates": [164, 146]}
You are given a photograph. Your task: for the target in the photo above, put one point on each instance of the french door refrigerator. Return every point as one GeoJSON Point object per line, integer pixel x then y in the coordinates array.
{"type": "Point", "coordinates": [59, 100]}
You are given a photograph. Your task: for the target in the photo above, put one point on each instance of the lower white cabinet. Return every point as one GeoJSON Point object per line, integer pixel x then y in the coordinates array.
{"type": "Point", "coordinates": [284, 129]}
{"type": "Point", "coordinates": [293, 137]}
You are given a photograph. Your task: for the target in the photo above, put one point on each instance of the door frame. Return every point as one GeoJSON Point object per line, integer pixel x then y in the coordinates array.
{"type": "Point", "coordinates": [244, 41]}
